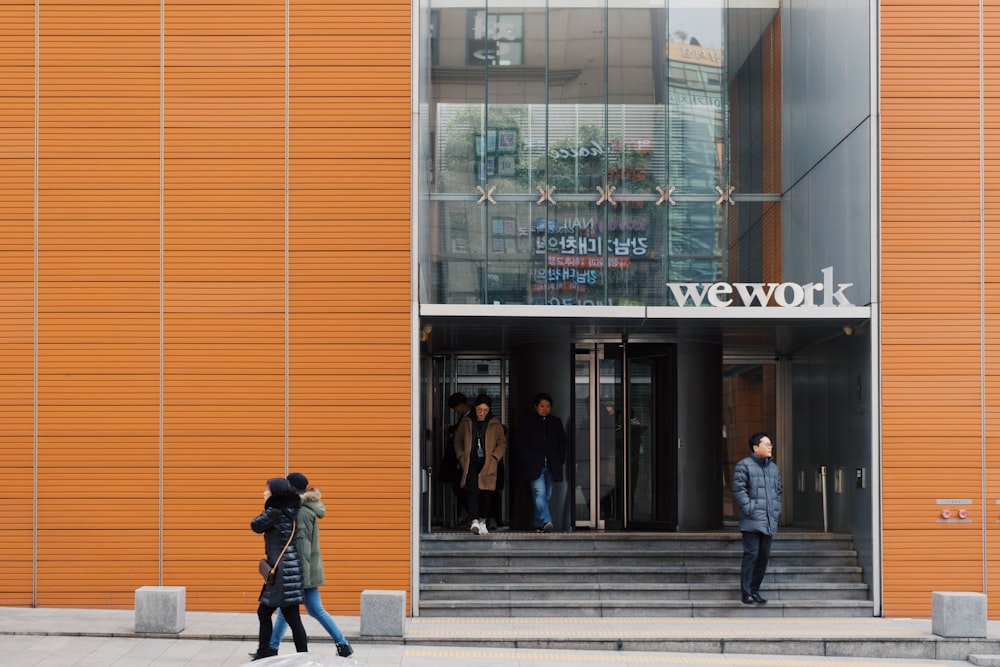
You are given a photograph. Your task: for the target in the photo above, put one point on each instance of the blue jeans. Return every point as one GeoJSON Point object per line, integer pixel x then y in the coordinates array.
{"type": "Point", "coordinates": [314, 607]}
{"type": "Point", "coordinates": [541, 492]}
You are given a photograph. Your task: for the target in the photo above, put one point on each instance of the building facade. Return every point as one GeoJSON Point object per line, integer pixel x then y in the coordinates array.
{"type": "Point", "coordinates": [243, 238]}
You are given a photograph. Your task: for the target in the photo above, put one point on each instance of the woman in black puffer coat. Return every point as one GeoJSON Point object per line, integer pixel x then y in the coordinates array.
{"type": "Point", "coordinates": [281, 504]}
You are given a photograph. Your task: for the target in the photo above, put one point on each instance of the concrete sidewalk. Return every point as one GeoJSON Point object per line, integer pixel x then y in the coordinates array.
{"type": "Point", "coordinates": [497, 639]}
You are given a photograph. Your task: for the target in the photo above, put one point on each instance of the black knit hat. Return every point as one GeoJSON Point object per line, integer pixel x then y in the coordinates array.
{"type": "Point", "coordinates": [298, 481]}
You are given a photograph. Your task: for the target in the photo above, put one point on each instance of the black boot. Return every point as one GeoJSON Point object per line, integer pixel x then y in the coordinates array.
{"type": "Point", "coordinates": [344, 650]}
{"type": "Point", "coordinates": [263, 653]}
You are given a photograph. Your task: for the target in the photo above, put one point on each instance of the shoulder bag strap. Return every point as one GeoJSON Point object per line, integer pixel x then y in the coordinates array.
{"type": "Point", "coordinates": [290, 538]}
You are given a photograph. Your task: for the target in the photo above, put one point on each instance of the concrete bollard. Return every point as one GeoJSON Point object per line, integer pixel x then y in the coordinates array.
{"type": "Point", "coordinates": [383, 613]}
{"type": "Point", "coordinates": [159, 609]}
{"type": "Point", "coordinates": [955, 614]}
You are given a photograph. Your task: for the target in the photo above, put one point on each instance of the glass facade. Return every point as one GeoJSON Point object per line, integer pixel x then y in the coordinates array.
{"type": "Point", "coordinates": [582, 153]}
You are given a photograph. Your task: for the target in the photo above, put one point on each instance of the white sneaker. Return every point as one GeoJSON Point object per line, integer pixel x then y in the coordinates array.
{"type": "Point", "coordinates": [482, 527]}
{"type": "Point", "coordinates": [475, 528]}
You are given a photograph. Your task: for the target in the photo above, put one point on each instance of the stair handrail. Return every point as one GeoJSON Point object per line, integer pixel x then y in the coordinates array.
{"type": "Point", "coordinates": [826, 518]}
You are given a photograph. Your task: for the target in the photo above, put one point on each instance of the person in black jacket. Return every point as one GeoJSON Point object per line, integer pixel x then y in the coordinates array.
{"type": "Point", "coordinates": [451, 469]}
{"type": "Point", "coordinates": [277, 523]}
{"type": "Point", "coordinates": [542, 449]}
{"type": "Point", "coordinates": [757, 495]}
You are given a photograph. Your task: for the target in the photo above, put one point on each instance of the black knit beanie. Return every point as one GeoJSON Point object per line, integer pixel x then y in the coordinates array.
{"type": "Point", "coordinates": [298, 481]}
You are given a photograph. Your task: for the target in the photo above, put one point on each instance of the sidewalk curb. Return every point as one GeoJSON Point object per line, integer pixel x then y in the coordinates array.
{"type": "Point", "coordinates": [847, 637]}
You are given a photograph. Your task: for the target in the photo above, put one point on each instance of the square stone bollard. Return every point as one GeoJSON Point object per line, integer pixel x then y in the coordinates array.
{"type": "Point", "coordinates": [159, 609]}
{"type": "Point", "coordinates": [383, 613]}
{"type": "Point", "coordinates": [955, 614]}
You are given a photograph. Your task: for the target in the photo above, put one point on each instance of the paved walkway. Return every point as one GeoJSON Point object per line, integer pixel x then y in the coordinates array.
{"type": "Point", "coordinates": [86, 637]}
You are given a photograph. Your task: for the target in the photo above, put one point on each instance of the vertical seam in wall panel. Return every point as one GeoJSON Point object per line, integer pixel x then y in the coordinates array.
{"type": "Point", "coordinates": [875, 294]}
{"type": "Point", "coordinates": [287, 68]}
{"type": "Point", "coordinates": [982, 294]}
{"type": "Point", "coordinates": [34, 334]}
{"type": "Point", "coordinates": [159, 497]}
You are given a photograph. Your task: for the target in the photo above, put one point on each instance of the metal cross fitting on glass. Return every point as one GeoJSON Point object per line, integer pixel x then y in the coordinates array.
{"type": "Point", "coordinates": [487, 194]}
{"type": "Point", "coordinates": [546, 192]}
{"type": "Point", "coordinates": [725, 195]}
{"type": "Point", "coordinates": [665, 195]}
{"type": "Point", "coordinates": [606, 195]}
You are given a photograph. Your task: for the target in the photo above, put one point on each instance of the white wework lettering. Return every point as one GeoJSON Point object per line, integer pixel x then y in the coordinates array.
{"type": "Point", "coordinates": [785, 295]}
{"type": "Point", "coordinates": [810, 290]}
{"type": "Point", "coordinates": [750, 292]}
{"type": "Point", "coordinates": [781, 295]}
{"type": "Point", "coordinates": [716, 292]}
{"type": "Point", "coordinates": [684, 291]}
{"type": "Point", "coordinates": [829, 296]}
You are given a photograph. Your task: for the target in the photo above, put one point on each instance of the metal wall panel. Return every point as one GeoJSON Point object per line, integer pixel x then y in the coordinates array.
{"type": "Point", "coordinates": [223, 293]}
{"type": "Point", "coordinates": [930, 256]}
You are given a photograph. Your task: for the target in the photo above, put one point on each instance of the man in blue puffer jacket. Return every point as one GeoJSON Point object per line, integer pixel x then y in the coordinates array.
{"type": "Point", "coordinates": [757, 494]}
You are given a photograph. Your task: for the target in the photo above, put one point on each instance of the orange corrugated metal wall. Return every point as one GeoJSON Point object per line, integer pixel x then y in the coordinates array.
{"type": "Point", "coordinates": [166, 226]}
{"type": "Point", "coordinates": [17, 85]}
{"type": "Point", "coordinates": [991, 247]}
{"type": "Point", "coordinates": [933, 377]}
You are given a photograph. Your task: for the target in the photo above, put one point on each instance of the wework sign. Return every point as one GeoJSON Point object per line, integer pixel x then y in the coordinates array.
{"type": "Point", "coordinates": [785, 295]}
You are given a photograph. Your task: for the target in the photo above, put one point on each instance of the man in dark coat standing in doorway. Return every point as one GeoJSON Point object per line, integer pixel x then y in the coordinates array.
{"type": "Point", "coordinates": [757, 494]}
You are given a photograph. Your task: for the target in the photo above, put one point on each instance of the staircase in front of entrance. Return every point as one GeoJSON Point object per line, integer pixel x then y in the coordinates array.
{"type": "Point", "coordinates": [634, 574]}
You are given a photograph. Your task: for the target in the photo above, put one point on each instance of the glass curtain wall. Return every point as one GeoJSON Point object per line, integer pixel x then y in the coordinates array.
{"type": "Point", "coordinates": [579, 151]}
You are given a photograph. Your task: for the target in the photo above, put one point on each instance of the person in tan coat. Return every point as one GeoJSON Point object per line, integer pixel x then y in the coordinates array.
{"type": "Point", "coordinates": [480, 443]}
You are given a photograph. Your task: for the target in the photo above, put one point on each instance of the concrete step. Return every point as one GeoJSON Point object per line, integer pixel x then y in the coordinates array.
{"type": "Point", "coordinates": [634, 574]}
{"type": "Point", "coordinates": [638, 591]}
{"type": "Point", "coordinates": [583, 540]}
{"type": "Point", "coordinates": [616, 574]}
{"type": "Point", "coordinates": [984, 660]}
{"type": "Point", "coordinates": [645, 608]}
{"type": "Point", "coordinates": [703, 558]}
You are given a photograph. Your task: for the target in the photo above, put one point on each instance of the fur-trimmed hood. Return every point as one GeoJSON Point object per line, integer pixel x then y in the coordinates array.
{"type": "Point", "coordinates": [313, 500]}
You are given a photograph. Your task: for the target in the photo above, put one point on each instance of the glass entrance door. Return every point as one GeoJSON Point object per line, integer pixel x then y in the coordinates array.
{"type": "Point", "coordinates": [598, 479]}
{"type": "Point", "coordinates": [651, 488]}
{"type": "Point", "coordinates": [623, 425]}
